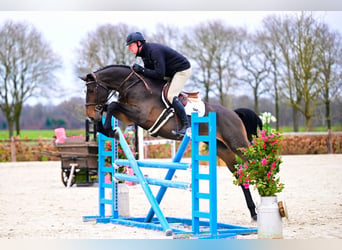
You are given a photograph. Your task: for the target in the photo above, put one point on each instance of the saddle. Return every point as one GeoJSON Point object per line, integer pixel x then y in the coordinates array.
{"type": "Point", "coordinates": [183, 96]}
{"type": "Point", "coordinates": [168, 112]}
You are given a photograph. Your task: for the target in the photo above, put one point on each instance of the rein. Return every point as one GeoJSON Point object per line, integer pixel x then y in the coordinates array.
{"type": "Point", "coordinates": [137, 75]}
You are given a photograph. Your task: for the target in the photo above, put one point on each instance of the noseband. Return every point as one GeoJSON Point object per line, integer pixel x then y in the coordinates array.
{"type": "Point", "coordinates": [98, 104]}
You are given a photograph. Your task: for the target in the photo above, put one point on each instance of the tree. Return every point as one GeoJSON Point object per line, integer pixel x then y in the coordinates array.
{"type": "Point", "coordinates": [330, 65]}
{"type": "Point", "coordinates": [268, 46]}
{"type": "Point", "coordinates": [209, 46]}
{"type": "Point", "coordinates": [299, 40]}
{"type": "Point", "coordinates": [255, 67]}
{"type": "Point", "coordinates": [167, 35]}
{"type": "Point", "coordinates": [104, 46]}
{"type": "Point", "coordinates": [279, 29]}
{"type": "Point", "coordinates": [27, 66]}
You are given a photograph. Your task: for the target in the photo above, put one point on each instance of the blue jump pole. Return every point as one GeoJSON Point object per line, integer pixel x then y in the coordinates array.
{"type": "Point", "coordinates": [197, 214]}
{"type": "Point", "coordinates": [156, 182]}
{"type": "Point", "coordinates": [146, 188]}
{"type": "Point", "coordinates": [193, 227]}
{"type": "Point", "coordinates": [169, 175]}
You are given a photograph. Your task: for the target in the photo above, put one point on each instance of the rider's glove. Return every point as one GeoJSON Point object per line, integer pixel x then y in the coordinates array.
{"type": "Point", "coordinates": [137, 68]}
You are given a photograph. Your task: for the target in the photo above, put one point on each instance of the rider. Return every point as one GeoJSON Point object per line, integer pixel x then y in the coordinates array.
{"type": "Point", "coordinates": [162, 62]}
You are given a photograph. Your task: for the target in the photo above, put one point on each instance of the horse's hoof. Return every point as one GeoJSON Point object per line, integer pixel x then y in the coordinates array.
{"type": "Point", "coordinates": [116, 135]}
{"type": "Point", "coordinates": [254, 217]}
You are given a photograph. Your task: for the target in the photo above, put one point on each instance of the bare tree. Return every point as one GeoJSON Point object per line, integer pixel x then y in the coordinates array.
{"type": "Point", "coordinates": [282, 35]}
{"type": "Point", "coordinates": [299, 39]}
{"type": "Point", "coordinates": [27, 66]}
{"type": "Point", "coordinates": [268, 46]}
{"type": "Point", "coordinates": [167, 35]}
{"type": "Point", "coordinates": [209, 46]}
{"type": "Point", "coordinates": [225, 61]}
{"type": "Point", "coordinates": [330, 64]}
{"type": "Point", "coordinates": [104, 46]}
{"type": "Point", "coordinates": [255, 67]}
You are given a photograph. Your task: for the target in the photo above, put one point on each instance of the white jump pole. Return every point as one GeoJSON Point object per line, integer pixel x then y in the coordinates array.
{"type": "Point", "coordinates": [140, 143]}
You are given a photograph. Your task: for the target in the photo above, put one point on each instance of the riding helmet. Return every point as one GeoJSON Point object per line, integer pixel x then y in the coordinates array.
{"type": "Point", "coordinates": [134, 37]}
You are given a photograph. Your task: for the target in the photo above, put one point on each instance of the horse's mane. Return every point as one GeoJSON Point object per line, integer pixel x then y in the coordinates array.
{"type": "Point", "coordinates": [152, 82]}
{"type": "Point", "coordinates": [112, 66]}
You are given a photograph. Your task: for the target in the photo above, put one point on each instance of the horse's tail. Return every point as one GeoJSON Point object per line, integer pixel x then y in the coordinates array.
{"type": "Point", "coordinates": [259, 121]}
{"type": "Point", "coordinates": [250, 120]}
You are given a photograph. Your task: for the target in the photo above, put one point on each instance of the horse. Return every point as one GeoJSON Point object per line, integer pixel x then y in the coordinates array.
{"type": "Point", "coordinates": [140, 101]}
{"type": "Point", "coordinates": [251, 121]}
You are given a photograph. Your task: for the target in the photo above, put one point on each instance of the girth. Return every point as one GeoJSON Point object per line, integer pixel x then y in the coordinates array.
{"type": "Point", "coordinates": [168, 111]}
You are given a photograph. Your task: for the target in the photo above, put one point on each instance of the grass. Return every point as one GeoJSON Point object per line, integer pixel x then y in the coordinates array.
{"type": "Point", "coordinates": [334, 128]}
{"type": "Point", "coordinates": [48, 133]}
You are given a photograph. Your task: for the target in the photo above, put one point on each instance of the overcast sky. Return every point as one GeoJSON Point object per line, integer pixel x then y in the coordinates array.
{"type": "Point", "coordinates": [65, 29]}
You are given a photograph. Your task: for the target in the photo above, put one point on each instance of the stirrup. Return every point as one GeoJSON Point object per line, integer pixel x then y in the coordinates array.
{"type": "Point", "coordinates": [180, 133]}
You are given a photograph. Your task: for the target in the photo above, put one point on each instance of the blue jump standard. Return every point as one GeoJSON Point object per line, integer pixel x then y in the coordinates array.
{"type": "Point", "coordinates": [203, 224]}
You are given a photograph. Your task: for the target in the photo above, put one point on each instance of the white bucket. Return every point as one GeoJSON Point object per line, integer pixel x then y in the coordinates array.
{"type": "Point", "coordinates": [269, 219]}
{"type": "Point", "coordinates": [123, 200]}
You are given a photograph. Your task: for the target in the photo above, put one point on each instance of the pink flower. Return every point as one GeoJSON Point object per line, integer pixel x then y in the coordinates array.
{"type": "Point", "coordinates": [239, 171]}
{"type": "Point", "coordinates": [263, 162]}
{"type": "Point", "coordinates": [269, 174]}
{"type": "Point", "coordinates": [263, 132]}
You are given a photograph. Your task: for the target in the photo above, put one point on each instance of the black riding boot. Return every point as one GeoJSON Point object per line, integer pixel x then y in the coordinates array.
{"type": "Point", "coordinates": [180, 112]}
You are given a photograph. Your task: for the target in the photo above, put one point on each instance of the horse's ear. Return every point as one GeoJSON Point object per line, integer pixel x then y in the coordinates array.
{"type": "Point", "coordinates": [88, 77]}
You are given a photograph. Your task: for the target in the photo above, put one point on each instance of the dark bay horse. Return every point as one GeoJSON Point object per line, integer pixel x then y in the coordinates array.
{"type": "Point", "coordinates": [140, 102]}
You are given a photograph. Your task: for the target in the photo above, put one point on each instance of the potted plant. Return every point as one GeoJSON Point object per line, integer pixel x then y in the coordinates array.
{"type": "Point", "coordinates": [261, 170]}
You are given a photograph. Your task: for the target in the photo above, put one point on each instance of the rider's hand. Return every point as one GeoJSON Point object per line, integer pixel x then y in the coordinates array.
{"type": "Point", "coordinates": [137, 68]}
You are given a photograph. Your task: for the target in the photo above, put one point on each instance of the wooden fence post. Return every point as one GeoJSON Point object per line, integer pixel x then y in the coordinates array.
{"type": "Point", "coordinates": [13, 153]}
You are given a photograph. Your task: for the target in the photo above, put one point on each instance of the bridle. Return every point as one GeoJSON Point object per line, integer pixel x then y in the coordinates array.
{"type": "Point", "coordinates": [99, 106]}
{"type": "Point", "coordinates": [100, 86]}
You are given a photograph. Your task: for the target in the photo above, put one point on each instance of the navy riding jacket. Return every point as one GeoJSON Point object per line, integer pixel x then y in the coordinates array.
{"type": "Point", "coordinates": [161, 61]}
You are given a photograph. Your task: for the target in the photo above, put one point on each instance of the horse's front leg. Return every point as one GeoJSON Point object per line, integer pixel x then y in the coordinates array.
{"type": "Point", "coordinates": [128, 114]}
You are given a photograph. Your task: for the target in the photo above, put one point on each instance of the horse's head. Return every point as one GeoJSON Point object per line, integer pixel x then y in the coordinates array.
{"type": "Point", "coordinates": [96, 96]}
{"type": "Point", "coordinates": [99, 84]}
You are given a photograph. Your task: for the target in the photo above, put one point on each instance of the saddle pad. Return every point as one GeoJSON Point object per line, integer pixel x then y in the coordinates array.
{"type": "Point", "coordinates": [195, 107]}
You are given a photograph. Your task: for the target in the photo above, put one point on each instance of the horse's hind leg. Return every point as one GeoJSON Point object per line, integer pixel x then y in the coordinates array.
{"type": "Point", "coordinates": [249, 201]}
{"type": "Point", "coordinates": [229, 158]}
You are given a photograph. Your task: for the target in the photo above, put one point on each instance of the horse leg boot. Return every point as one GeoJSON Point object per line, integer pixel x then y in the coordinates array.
{"type": "Point", "coordinates": [180, 112]}
{"type": "Point", "coordinates": [250, 203]}
{"type": "Point", "coordinates": [106, 128]}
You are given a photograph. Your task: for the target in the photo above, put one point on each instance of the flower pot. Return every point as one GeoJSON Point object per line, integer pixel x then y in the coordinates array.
{"type": "Point", "coordinates": [269, 219]}
{"type": "Point", "coordinates": [123, 199]}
